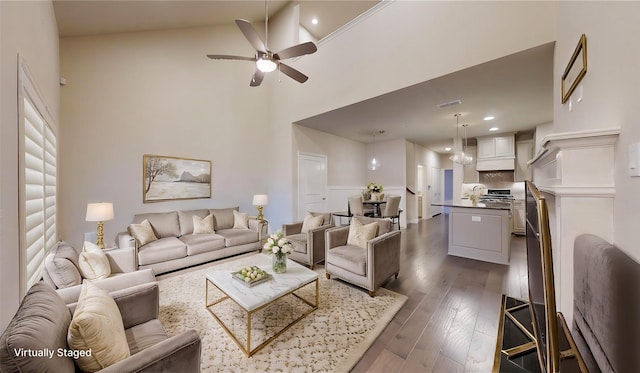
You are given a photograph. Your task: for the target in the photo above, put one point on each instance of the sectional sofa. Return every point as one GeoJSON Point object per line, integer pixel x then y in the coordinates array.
{"type": "Point", "coordinates": [178, 247]}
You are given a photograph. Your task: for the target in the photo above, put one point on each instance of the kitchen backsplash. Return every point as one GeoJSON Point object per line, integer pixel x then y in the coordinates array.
{"type": "Point", "coordinates": [496, 179]}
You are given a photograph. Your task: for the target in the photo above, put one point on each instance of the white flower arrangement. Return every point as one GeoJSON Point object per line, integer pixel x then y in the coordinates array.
{"type": "Point", "coordinates": [374, 187]}
{"type": "Point", "coordinates": [277, 244]}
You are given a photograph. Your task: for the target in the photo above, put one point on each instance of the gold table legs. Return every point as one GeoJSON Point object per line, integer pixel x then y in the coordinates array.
{"type": "Point", "coordinates": [247, 349]}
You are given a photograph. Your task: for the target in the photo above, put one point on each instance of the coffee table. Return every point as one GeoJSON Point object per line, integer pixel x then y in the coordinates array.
{"type": "Point", "coordinates": [253, 299]}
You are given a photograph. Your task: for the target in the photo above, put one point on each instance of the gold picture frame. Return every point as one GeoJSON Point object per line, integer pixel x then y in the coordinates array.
{"type": "Point", "coordinates": [576, 69]}
{"type": "Point", "coordinates": [167, 178]}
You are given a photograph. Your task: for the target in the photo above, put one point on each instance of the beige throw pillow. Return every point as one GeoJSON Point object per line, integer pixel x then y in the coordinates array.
{"type": "Point", "coordinates": [97, 326]}
{"type": "Point", "coordinates": [359, 234]}
{"type": "Point", "coordinates": [203, 225]}
{"type": "Point", "coordinates": [93, 262]}
{"type": "Point", "coordinates": [240, 220]}
{"type": "Point", "coordinates": [142, 232]}
{"type": "Point", "coordinates": [311, 222]}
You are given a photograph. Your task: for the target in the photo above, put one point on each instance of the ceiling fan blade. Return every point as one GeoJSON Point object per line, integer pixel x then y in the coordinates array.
{"type": "Point", "coordinates": [293, 73]}
{"type": "Point", "coordinates": [297, 50]}
{"type": "Point", "coordinates": [251, 35]}
{"type": "Point", "coordinates": [256, 80]}
{"type": "Point", "coordinates": [228, 57]}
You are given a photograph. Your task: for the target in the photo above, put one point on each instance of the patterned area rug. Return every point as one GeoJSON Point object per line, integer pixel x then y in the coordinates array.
{"type": "Point", "coordinates": [330, 339]}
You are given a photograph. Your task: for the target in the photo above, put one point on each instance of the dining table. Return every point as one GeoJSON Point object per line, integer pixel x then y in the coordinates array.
{"type": "Point", "coordinates": [376, 207]}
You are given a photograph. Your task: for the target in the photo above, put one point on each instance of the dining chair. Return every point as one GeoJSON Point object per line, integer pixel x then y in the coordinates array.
{"type": "Point", "coordinates": [356, 208]}
{"type": "Point", "coordinates": [392, 209]}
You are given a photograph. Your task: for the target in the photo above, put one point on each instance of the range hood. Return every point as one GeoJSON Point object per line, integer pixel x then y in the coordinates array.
{"type": "Point", "coordinates": [496, 164]}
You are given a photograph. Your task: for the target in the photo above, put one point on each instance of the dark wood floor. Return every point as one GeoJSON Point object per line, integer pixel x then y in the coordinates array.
{"type": "Point", "coordinates": [450, 321]}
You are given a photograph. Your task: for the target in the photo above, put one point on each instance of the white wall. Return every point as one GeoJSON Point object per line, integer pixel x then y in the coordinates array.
{"type": "Point", "coordinates": [610, 94]}
{"type": "Point", "coordinates": [157, 93]}
{"type": "Point", "coordinates": [28, 28]}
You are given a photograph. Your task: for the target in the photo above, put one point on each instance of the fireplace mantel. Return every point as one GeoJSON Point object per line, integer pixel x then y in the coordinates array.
{"type": "Point", "coordinates": [575, 172]}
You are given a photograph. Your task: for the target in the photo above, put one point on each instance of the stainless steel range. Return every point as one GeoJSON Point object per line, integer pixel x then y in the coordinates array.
{"type": "Point", "coordinates": [497, 195]}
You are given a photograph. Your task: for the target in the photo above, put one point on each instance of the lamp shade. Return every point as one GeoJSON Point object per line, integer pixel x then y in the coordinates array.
{"type": "Point", "coordinates": [99, 211]}
{"type": "Point", "coordinates": [260, 199]}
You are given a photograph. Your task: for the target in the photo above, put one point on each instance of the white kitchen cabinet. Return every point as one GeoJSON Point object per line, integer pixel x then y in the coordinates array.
{"type": "Point", "coordinates": [501, 146]}
{"type": "Point", "coordinates": [480, 233]}
{"type": "Point", "coordinates": [519, 217]}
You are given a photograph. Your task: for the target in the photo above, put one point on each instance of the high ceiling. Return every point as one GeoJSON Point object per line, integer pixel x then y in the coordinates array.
{"type": "Point", "coordinates": [516, 89]}
{"type": "Point", "coordinates": [93, 17]}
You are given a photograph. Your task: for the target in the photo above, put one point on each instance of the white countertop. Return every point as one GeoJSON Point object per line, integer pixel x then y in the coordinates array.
{"type": "Point", "coordinates": [254, 297]}
{"type": "Point", "coordinates": [480, 205]}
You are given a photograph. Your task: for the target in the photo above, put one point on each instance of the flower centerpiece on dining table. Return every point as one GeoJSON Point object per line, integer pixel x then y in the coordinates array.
{"type": "Point", "coordinates": [279, 247]}
{"type": "Point", "coordinates": [375, 189]}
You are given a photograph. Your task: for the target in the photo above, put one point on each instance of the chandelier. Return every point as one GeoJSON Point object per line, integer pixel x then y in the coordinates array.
{"type": "Point", "coordinates": [460, 156]}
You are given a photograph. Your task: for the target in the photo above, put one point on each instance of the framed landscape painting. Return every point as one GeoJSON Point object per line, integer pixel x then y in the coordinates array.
{"type": "Point", "coordinates": [171, 178]}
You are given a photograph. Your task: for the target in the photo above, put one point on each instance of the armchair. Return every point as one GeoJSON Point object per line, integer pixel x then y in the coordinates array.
{"type": "Point", "coordinates": [367, 267]}
{"type": "Point", "coordinates": [308, 247]}
{"type": "Point", "coordinates": [42, 321]}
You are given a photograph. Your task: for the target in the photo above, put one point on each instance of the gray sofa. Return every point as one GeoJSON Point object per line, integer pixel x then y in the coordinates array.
{"type": "Point", "coordinates": [43, 318]}
{"type": "Point", "coordinates": [606, 311]}
{"type": "Point", "coordinates": [177, 247]}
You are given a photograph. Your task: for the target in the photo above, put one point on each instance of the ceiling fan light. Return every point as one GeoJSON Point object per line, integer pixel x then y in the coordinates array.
{"type": "Point", "coordinates": [266, 65]}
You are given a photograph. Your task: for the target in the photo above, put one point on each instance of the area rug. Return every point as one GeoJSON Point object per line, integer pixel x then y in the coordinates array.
{"type": "Point", "coordinates": [331, 339]}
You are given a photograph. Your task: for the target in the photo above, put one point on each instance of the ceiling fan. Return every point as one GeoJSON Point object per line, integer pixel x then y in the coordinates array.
{"type": "Point", "coordinates": [265, 59]}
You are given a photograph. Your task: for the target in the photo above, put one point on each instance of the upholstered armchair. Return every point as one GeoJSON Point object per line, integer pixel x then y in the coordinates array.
{"type": "Point", "coordinates": [44, 322]}
{"type": "Point", "coordinates": [307, 238]}
{"type": "Point", "coordinates": [364, 259]}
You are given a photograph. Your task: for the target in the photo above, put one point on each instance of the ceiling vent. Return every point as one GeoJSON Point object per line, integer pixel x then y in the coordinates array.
{"type": "Point", "coordinates": [450, 103]}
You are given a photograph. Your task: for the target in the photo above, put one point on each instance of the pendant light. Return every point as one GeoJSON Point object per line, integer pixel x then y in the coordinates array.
{"type": "Point", "coordinates": [374, 163]}
{"type": "Point", "coordinates": [459, 156]}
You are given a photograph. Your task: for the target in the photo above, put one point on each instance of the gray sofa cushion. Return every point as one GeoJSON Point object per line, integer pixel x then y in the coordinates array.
{"type": "Point", "coordinates": [202, 243]}
{"type": "Point", "coordinates": [299, 242]}
{"type": "Point", "coordinates": [606, 312]}
{"type": "Point", "coordinates": [145, 335]}
{"type": "Point", "coordinates": [61, 266]}
{"type": "Point", "coordinates": [350, 258]}
{"type": "Point", "coordinates": [186, 219]}
{"type": "Point", "coordinates": [161, 250]}
{"type": "Point", "coordinates": [165, 224]}
{"type": "Point", "coordinates": [40, 324]}
{"type": "Point", "coordinates": [223, 218]}
{"type": "Point", "coordinates": [235, 237]}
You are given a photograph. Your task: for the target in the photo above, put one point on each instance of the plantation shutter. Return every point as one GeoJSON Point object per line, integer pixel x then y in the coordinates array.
{"type": "Point", "coordinates": [38, 189]}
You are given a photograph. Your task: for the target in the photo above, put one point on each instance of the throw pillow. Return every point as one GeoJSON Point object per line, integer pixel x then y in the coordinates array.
{"type": "Point", "coordinates": [240, 220]}
{"type": "Point", "coordinates": [311, 222]}
{"type": "Point", "coordinates": [142, 232]}
{"type": "Point", "coordinates": [203, 225]}
{"type": "Point", "coordinates": [61, 266]}
{"type": "Point", "coordinates": [97, 326]}
{"type": "Point", "coordinates": [93, 262]}
{"type": "Point", "coordinates": [359, 234]}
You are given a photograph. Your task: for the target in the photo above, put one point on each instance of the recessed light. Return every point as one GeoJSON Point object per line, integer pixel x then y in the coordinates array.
{"type": "Point", "coordinates": [314, 21]}
{"type": "Point", "coordinates": [447, 149]}
{"type": "Point", "coordinates": [489, 117]}
{"type": "Point", "coordinates": [492, 129]}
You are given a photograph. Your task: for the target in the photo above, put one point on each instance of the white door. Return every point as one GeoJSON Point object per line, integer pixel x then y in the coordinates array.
{"type": "Point", "coordinates": [436, 190]}
{"type": "Point", "coordinates": [312, 183]}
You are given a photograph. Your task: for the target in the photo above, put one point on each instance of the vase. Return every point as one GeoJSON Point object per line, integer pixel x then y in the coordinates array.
{"type": "Point", "coordinates": [279, 263]}
{"type": "Point", "coordinates": [375, 196]}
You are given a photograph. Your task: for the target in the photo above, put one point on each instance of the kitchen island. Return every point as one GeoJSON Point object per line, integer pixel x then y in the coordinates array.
{"type": "Point", "coordinates": [480, 231]}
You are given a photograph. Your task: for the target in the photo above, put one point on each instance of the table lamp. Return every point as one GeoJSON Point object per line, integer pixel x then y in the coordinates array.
{"type": "Point", "coordinates": [260, 200]}
{"type": "Point", "coordinates": [100, 212]}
